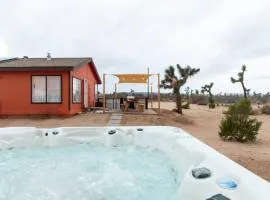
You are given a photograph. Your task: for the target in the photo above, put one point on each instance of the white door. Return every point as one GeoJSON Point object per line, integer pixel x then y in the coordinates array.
{"type": "Point", "coordinates": [85, 95]}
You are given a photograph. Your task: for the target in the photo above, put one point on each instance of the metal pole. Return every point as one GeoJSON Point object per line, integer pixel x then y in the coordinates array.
{"type": "Point", "coordinates": [159, 93]}
{"type": "Point", "coordinates": [104, 98]}
{"type": "Point", "coordinates": [115, 102]}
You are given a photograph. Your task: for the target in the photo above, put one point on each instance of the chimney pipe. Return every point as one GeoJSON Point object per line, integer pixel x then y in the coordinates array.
{"type": "Point", "coordinates": [49, 56]}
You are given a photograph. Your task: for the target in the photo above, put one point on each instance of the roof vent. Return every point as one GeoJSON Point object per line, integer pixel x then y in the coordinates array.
{"type": "Point", "coordinates": [49, 56]}
{"type": "Point", "coordinates": [25, 57]}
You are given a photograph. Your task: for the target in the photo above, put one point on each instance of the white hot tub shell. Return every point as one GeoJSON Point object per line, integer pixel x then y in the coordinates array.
{"type": "Point", "coordinates": [185, 152]}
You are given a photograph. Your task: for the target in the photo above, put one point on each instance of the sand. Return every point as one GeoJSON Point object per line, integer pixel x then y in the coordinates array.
{"type": "Point", "coordinates": [85, 119]}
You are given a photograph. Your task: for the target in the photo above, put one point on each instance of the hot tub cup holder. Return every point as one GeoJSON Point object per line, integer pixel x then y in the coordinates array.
{"type": "Point", "coordinates": [227, 183]}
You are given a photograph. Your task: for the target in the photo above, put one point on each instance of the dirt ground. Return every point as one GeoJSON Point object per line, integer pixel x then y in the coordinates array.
{"type": "Point", "coordinates": [85, 119]}
{"type": "Point", "coordinates": [203, 123]}
{"type": "Point", "coordinates": [198, 121]}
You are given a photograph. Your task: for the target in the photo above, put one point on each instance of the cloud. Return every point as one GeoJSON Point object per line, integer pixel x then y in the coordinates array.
{"type": "Point", "coordinates": [129, 36]}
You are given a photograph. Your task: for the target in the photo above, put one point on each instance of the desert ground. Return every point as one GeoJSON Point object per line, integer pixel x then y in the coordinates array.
{"type": "Point", "coordinates": [199, 121]}
{"type": "Point", "coordinates": [203, 123]}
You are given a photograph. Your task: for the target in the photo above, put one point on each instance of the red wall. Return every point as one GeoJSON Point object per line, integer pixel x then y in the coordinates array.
{"type": "Point", "coordinates": [15, 94]}
{"type": "Point", "coordinates": [84, 72]}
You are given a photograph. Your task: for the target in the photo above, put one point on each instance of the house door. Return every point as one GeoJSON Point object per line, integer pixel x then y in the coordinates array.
{"type": "Point", "coordinates": [85, 95]}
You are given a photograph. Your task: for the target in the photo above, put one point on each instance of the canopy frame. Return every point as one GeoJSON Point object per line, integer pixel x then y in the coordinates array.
{"type": "Point", "coordinates": [131, 78]}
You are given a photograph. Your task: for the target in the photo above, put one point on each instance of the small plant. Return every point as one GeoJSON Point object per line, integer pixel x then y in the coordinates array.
{"type": "Point", "coordinates": [241, 80]}
{"type": "Point", "coordinates": [237, 126]}
{"type": "Point", "coordinates": [266, 109]}
{"type": "Point", "coordinates": [207, 88]}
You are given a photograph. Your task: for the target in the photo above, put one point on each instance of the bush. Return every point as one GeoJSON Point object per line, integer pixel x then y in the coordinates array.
{"type": "Point", "coordinates": [266, 109]}
{"type": "Point", "coordinates": [237, 126]}
{"type": "Point", "coordinates": [211, 105]}
{"type": "Point", "coordinates": [202, 103]}
{"type": "Point", "coordinates": [254, 111]}
{"type": "Point", "coordinates": [185, 105]}
{"type": "Point", "coordinates": [243, 107]}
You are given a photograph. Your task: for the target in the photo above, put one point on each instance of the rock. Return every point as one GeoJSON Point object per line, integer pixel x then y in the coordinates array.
{"type": "Point", "coordinates": [201, 173]}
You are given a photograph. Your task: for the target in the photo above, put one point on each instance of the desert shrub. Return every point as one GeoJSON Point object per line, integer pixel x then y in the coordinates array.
{"type": "Point", "coordinates": [243, 107]}
{"type": "Point", "coordinates": [254, 111]}
{"type": "Point", "coordinates": [266, 109]}
{"type": "Point", "coordinates": [237, 125]}
{"type": "Point", "coordinates": [202, 103]}
{"type": "Point", "coordinates": [185, 105]}
{"type": "Point", "coordinates": [211, 104]}
{"type": "Point", "coordinates": [225, 112]}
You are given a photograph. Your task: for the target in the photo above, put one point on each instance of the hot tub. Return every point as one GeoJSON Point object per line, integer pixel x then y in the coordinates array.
{"type": "Point", "coordinates": [115, 163]}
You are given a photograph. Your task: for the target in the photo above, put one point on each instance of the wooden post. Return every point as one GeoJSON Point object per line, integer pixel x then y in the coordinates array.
{"type": "Point", "coordinates": [114, 101]}
{"type": "Point", "coordinates": [151, 95]}
{"type": "Point", "coordinates": [104, 94]}
{"type": "Point", "coordinates": [159, 93]}
{"type": "Point", "coordinates": [148, 83]}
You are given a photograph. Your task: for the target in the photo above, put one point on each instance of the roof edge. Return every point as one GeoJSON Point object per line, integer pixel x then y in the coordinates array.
{"type": "Point", "coordinates": [93, 67]}
{"type": "Point", "coordinates": [8, 60]}
{"type": "Point", "coordinates": [56, 68]}
{"type": "Point", "coordinates": [96, 72]}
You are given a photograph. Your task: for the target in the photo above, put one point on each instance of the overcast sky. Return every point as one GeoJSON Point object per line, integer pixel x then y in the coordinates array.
{"type": "Point", "coordinates": [124, 36]}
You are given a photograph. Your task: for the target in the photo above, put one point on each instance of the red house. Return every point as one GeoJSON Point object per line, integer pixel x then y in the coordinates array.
{"type": "Point", "coordinates": [48, 86]}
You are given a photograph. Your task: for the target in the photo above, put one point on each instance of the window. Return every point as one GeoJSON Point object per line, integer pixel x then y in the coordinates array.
{"type": "Point", "coordinates": [46, 89]}
{"type": "Point", "coordinates": [53, 89]}
{"type": "Point", "coordinates": [76, 97]}
{"type": "Point", "coordinates": [39, 89]}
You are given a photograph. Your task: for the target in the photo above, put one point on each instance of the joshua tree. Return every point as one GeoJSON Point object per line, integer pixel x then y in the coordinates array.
{"type": "Point", "coordinates": [187, 90]}
{"type": "Point", "coordinates": [241, 80]}
{"type": "Point", "coordinates": [171, 81]}
{"type": "Point", "coordinates": [207, 88]}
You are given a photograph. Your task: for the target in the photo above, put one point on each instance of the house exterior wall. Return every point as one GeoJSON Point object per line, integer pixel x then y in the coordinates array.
{"type": "Point", "coordinates": [15, 94]}
{"type": "Point", "coordinates": [83, 72]}
{"type": "Point", "coordinates": [16, 97]}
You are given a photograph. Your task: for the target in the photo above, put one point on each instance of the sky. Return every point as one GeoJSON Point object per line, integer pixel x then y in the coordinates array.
{"type": "Point", "coordinates": [124, 36]}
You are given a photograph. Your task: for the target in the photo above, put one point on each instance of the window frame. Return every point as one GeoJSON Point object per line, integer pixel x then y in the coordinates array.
{"type": "Point", "coordinates": [73, 102]}
{"type": "Point", "coordinates": [46, 80]}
